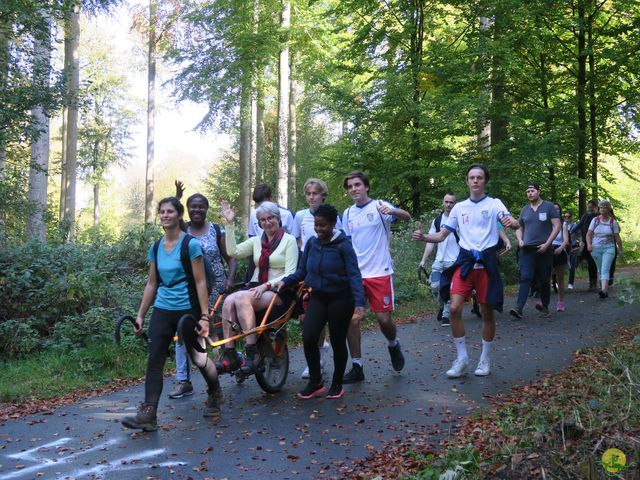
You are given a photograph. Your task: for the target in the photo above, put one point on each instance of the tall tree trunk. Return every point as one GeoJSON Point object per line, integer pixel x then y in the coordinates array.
{"type": "Point", "coordinates": [151, 112]}
{"type": "Point", "coordinates": [293, 140]}
{"type": "Point", "coordinates": [260, 135]}
{"type": "Point", "coordinates": [37, 194]}
{"type": "Point", "coordinates": [544, 90]}
{"type": "Point", "coordinates": [63, 168]}
{"type": "Point", "coordinates": [4, 75]}
{"type": "Point", "coordinates": [417, 39]}
{"type": "Point", "coordinates": [253, 169]}
{"type": "Point", "coordinates": [593, 113]}
{"type": "Point", "coordinates": [71, 46]}
{"type": "Point", "coordinates": [283, 104]}
{"type": "Point", "coordinates": [499, 106]}
{"type": "Point", "coordinates": [245, 146]}
{"type": "Point", "coordinates": [582, 114]}
{"type": "Point", "coordinates": [483, 65]}
{"type": "Point", "coordinates": [96, 206]}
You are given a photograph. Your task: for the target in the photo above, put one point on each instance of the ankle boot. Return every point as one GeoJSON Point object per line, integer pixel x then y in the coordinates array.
{"type": "Point", "coordinates": [146, 419]}
{"type": "Point", "coordinates": [213, 403]}
{"type": "Point", "coordinates": [228, 361]}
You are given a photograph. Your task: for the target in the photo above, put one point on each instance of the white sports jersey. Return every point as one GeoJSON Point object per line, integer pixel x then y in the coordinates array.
{"type": "Point", "coordinates": [476, 222]}
{"type": "Point", "coordinates": [448, 250]}
{"type": "Point", "coordinates": [286, 217]}
{"type": "Point", "coordinates": [370, 233]}
{"type": "Point", "coordinates": [305, 225]}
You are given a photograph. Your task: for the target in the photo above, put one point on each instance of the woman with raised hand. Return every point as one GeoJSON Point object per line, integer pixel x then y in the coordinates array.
{"type": "Point", "coordinates": [275, 254]}
{"type": "Point", "coordinates": [602, 237]}
{"type": "Point", "coordinates": [212, 240]}
{"type": "Point", "coordinates": [168, 288]}
{"type": "Point", "coordinates": [329, 267]}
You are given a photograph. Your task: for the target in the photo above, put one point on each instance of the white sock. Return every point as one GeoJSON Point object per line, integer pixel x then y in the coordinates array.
{"type": "Point", "coordinates": [393, 343]}
{"type": "Point", "coordinates": [486, 350]}
{"type": "Point", "coordinates": [357, 361]}
{"type": "Point", "coordinates": [461, 347]}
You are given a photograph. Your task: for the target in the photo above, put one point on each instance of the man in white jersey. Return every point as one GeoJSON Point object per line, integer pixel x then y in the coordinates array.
{"type": "Point", "coordinates": [476, 221]}
{"type": "Point", "coordinates": [262, 193]}
{"type": "Point", "coordinates": [446, 255]}
{"type": "Point", "coordinates": [368, 223]}
{"type": "Point", "coordinates": [315, 193]}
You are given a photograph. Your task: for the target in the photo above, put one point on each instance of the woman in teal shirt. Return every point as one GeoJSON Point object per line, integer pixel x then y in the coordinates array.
{"type": "Point", "coordinates": [168, 285]}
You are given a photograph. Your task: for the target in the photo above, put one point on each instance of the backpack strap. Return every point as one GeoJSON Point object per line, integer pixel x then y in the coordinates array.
{"type": "Point", "coordinates": [437, 222]}
{"type": "Point", "coordinates": [156, 246]}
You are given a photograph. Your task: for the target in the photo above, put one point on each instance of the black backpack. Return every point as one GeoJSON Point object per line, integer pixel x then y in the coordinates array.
{"type": "Point", "coordinates": [186, 266]}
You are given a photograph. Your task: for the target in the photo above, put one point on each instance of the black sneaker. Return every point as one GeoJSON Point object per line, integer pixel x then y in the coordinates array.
{"type": "Point", "coordinates": [397, 358]}
{"type": "Point", "coordinates": [336, 391]}
{"type": "Point", "coordinates": [440, 312]}
{"type": "Point", "coordinates": [602, 294]}
{"type": "Point", "coordinates": [312, 390]}
{"type": "Point", "coordinates": [355, 375]}
{"type": "Point", "coordinates": [445, 322]}
{"type": "Point", "coordinates": [475, 309]}
{"type": "Point", "coordinates": [544, 311]}
{"type": "Point", "coordinates": [516, 313]}
{"type": "Point", "coordinates": [229, 361]}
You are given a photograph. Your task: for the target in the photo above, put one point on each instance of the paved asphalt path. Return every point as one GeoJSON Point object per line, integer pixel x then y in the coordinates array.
{"type": "Point", "coordinates": [262, 436]}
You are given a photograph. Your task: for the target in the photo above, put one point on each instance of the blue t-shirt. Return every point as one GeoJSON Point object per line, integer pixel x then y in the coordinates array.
{"type": "Point", "coordinates": [175, 297]}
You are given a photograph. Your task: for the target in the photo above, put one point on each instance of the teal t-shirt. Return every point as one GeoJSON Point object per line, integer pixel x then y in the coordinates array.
{"type": "Point", "coordinates": [175, 297]}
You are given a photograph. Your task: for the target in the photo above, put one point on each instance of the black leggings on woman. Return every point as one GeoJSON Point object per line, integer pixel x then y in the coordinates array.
{"type": "Point", "coordinates": [337, 310]}
{"type": "Point", "coordinates": [161, 331]}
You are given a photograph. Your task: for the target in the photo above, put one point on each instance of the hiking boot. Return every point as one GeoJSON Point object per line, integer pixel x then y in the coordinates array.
{"type": "Point", "coordinates": [312, 390]}
{"type": "Point", "coordinates": [440, 312]}
{"type": "Point", "coordinates": [213, 403]}
{"type": "Point", "coordinates": [181, 389]}
{"type": "Point", "coordinates": [229, 361]}
{"type": "Point", "coordinates": [146, 419]}
{"type": "Point", "coordinates": [602, 294]}
{"type": "Point", "coordinates": [459, 368]}
{"type": "Point", "coordinates": [445, 322]}
{"type": "Point", "coordinates": [355, 375]}
{"type": "Point", "coordinates": [516, 313]}
{"type": "Point", "coordinates": [250, 361]}
{"type": "Point", "coordinates": [397, 358]}
{"type": "Point", "coordinates": [544, 311]}
{"type": "Point", "coordinates": [335, 391]}
{"type": "Point", "coordinates": [483, 369]}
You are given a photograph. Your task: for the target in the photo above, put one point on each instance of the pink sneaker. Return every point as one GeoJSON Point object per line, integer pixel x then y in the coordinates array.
{"type": "Point", "coordinates": [561, 307]}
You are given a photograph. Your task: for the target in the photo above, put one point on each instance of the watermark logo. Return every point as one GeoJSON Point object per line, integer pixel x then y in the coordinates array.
{"type": "Point", "coordinates": [614, 460]}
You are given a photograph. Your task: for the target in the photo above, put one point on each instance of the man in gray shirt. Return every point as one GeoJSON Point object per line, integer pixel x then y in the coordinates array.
{"type": "Point", "coordinates": [539, 225]}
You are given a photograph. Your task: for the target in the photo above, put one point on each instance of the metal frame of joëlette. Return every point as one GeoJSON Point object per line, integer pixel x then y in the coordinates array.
{"type": "Point", "coordinates": [285, 317]}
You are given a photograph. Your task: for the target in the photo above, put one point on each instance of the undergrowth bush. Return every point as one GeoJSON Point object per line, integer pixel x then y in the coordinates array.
{"type": "Point", "coordinates": [67, 295]}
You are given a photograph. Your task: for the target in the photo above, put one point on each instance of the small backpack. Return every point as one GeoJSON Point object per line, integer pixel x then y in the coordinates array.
{"type": "Point", "coordinates": [186, 266]}
{"type": "Point", "coordinates": [598, 222]}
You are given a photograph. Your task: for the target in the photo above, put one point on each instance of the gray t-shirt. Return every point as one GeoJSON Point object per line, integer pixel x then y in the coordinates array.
{"type": "Point", "coordinates": [537, 223]}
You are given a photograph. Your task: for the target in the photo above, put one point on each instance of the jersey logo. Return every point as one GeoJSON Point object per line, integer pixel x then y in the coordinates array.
{"type": "Point", "coordinates": [465, 218]}
{"type": "Point", "coordinates": [485, 214]}
{"type": "Point", "coordinates": [387, 301]}
{"type": "Point", "coordinates": [370, 216]}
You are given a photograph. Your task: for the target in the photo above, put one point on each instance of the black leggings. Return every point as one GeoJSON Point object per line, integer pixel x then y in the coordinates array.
{"type": "Point", "coordinates": [161, 331]}
{"type": "Point", "coordinates": [337, 310]}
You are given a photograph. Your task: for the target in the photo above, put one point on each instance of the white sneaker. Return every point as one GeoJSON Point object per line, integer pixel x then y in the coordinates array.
{"type": "Point", "coordinates": [305, 373]}
{"type": "Point", "coordinates": [484, 368]}
{"type": "Point", "coordinates": [570, 286]}
{"type": "Point", "coordinates": [459, 368]}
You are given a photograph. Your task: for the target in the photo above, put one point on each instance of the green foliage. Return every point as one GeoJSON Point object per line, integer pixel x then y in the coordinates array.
{"type": "Point", "coordinates": [459, 463]}
{"type": "Point", "coordinates": [58, 291]}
